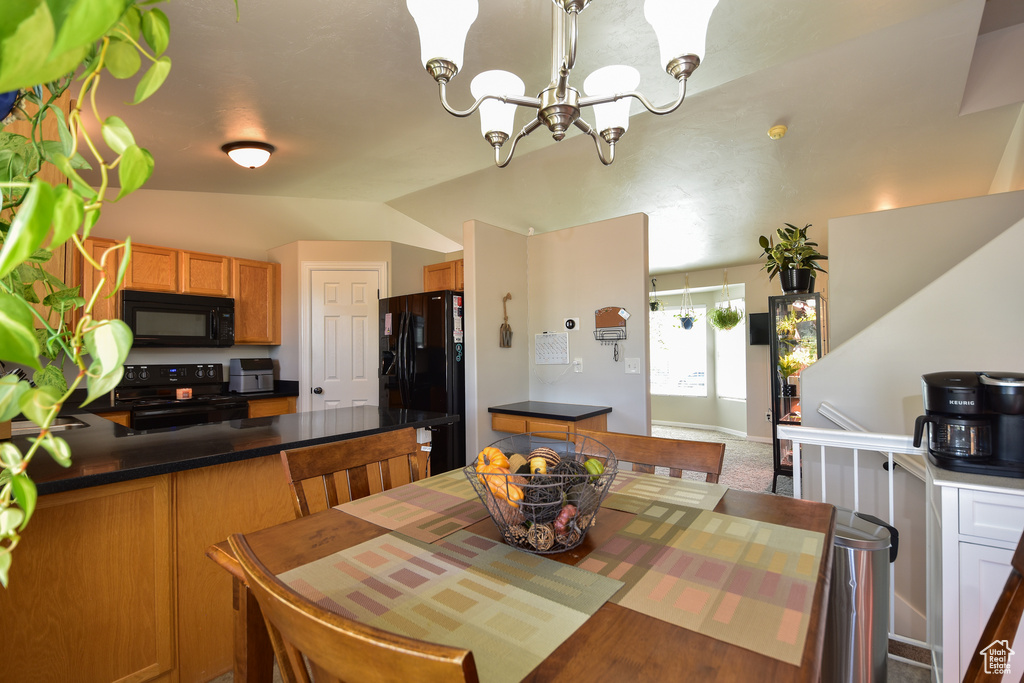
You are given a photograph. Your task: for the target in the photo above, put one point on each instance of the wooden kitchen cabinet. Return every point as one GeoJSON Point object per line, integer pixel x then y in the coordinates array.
{"type": "Point", "coordinates": [257, 289]}
{"type": "Point", "coordinates": [106, 307]}
{"type": "Point", "coordinates": [121, 417]}
{"type": "Point", "coordinates": [153, 269]}
{"type": "Point", "coordinates": [99, 562]}
{"type": "Point", "coordinates": [447, 275]}
{"type": "Point", "coordinates": [268, 407]}
{"type": "Point", "coordinates": [555, 419]}
{"type": "Point", "coordinates": [205, 274]}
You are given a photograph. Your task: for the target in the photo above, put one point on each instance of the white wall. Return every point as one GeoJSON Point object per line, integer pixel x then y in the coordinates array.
{"type": "Point", "coordinates": [572, 273]}
{"type": "Point", "coordinates": [877, 260]}
{"type": "Point", "coordinates": [495, 265]}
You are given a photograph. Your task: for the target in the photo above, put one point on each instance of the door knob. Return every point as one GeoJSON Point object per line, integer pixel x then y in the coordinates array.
{"type": "Point", "coordinates": [318, 390]}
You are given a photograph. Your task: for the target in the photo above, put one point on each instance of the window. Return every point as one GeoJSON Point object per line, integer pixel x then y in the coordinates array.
{"type": "Point", "coordinates": [679, 357]}
{"type": "Point", "coordinates": [731, 358]}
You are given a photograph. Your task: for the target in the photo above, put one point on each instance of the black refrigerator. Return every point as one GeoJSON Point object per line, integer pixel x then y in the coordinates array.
{"type": "Point", "coordinates": [423, 366]}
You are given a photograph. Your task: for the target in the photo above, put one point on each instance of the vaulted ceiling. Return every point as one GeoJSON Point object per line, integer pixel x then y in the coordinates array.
{"type": "Point", "coordinates": [871, 92]}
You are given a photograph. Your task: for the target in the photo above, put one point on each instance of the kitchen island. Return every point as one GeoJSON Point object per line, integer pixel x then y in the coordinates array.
{"type": "Point", "coordinates": [110, 581]}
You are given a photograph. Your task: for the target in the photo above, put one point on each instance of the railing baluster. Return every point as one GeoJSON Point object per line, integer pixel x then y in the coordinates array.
{"type": "Point", "coordinates": [823, 497]}
{"type": "Point", "coordinates": [856, 479]}
{"type": "Point", "coordinates": [797, 488]}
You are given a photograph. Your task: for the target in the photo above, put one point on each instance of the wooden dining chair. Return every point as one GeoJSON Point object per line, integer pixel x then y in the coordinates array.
{"type": "Point", "coordinates": [647, 452]}
{"type": "Point", "coordinates": [388, 459]}
{"type": "Point", "coordinates": [1003, 622]}
{"type": "Point", "coordinates": [339, 649]}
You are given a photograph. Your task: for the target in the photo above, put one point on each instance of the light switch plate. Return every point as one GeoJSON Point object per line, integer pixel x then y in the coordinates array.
{"type": "Point", "coordinates": [632, 366]}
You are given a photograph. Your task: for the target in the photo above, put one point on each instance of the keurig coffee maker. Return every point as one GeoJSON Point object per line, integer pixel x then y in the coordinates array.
{"type": "Point", "coordinates": [976, 421]}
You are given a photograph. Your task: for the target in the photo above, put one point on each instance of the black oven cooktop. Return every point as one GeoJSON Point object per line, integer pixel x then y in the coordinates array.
{"type": "Point", "coordinates": [160, 396]}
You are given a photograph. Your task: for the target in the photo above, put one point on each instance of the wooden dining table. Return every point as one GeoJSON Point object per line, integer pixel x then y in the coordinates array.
{"type": "Point", "coordinates": [615, 644]}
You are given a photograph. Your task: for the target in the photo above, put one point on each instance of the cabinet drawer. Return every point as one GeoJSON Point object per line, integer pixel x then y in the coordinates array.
{"type": "Point", "coordinates": [997, 516]}
{"type": "Point", "coordinates": [553, 428]}
{"type": "Point", "coordinates": [514, 424]}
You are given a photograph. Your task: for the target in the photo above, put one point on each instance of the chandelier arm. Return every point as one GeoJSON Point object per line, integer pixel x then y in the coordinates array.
{"type": "Point", "coordinates": [604, 99]}
{"type": "Point", "coordinates": [589, 130]}
{"type": "Point", "coordinates": [520, 101]}
{"type": "Point", "coordinates": [527, 129]}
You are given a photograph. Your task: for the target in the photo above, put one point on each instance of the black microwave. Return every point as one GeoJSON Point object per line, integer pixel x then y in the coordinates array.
{"type": "Point", "coordinates": [182, 320]}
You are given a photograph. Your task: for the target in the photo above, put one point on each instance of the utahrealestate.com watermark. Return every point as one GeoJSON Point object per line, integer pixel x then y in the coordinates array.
{"type": "Point", "coordinates": [997, 657]}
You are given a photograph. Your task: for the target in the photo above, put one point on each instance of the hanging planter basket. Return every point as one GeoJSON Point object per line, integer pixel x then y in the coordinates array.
{"type": "Point", "coordinates": [725, 317]}
{"type": "Point", "coordinates": [687, 314]}
{"type": "Point", "coordinates": [655, 302]}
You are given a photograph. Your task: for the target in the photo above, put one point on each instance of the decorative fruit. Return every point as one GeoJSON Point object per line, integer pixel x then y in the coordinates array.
{"type": "Point", "coordinates": [517, 461]}
{"type": "Point", "coordinates": [491, 456]}
{"type": "Point", "coordinates": [562, 520]}
{"type": "Point", "coordinates": [549, 455]}
{"type": "Point", "coordinates": [595, 467]}
{"type": "Point", "coordinates": [538, 465]}
{"type": "Point", "coordinates": [497, 480]}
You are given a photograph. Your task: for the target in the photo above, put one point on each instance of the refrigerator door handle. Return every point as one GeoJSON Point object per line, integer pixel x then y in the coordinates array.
{"type": "Point", "coordinates": [403, 359]}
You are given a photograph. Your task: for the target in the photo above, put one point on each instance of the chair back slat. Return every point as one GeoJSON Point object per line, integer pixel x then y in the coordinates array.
{"type": "Point", "coordinates": [340, 649]}
{"type": "Point", "coordinates": [1004, 620]}
{"type": "Point", "coordinates": [647, 452]}
{"type": "Point", "coordinates": [364, 464]}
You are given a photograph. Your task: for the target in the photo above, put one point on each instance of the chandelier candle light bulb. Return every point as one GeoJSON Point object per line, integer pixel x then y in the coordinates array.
{"type": "Point", "coordinates": [681, 29]}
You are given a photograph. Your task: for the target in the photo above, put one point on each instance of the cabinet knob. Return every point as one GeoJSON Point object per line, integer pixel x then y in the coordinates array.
{"type": "Point", "coordinates": [318, 390]}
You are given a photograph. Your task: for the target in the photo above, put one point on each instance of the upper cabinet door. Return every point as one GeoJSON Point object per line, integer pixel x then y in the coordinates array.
{"type": "Point", "coordinates": [257, 289]}
{"type": "Point", "coordinates": [446, 275]}
{"type": "Point", "coordinates": [105, 308]}
{"type": "Point", "coordinates": [205, 274]}
{"type": "Point", "coordinates": [153, 269]}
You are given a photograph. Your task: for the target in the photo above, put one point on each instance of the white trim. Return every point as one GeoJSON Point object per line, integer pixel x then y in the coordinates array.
{"type": "Point", "coordinates": [306, 269]}
{"type": "Point", "coordinates": [709, 428]}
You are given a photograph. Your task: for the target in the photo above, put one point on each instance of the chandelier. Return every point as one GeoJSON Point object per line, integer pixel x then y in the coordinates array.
{"type": "Point", "coordinates": [681, 29]}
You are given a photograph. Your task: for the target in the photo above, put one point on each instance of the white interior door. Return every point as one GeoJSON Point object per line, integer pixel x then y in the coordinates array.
{"type": "Point", "coordinates": [343, 338]}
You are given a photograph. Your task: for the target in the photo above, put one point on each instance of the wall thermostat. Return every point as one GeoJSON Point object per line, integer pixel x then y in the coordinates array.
{"type": "Point", "coordinates": [572, 323]}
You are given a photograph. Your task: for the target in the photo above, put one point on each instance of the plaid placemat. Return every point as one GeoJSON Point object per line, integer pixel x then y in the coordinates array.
{"type": "Point", "coordinates": [634, 492]}
{"type": "Point", "coordinates": [745, 582]}
{"type": "Point", "coordinates": [426, 510]}
{"type": "Point", "coordinates": [511, 608]}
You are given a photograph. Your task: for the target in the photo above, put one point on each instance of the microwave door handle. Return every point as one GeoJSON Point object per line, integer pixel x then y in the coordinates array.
{"type": "Point", "coordinates": [213, 325]}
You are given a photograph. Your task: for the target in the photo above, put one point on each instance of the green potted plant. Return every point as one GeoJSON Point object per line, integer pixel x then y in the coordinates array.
{"type": "Point", "coordinates": [725, 317]}
{"type": "Point", "coordinates": [794, 258]}
{"type": "Point", "coordinates": [45, 47]}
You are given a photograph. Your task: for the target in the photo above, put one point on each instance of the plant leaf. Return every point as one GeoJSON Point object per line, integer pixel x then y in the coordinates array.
{"type": "Point", "coordinates": [79, 185]}
{"type": "Point", "coordinates": [58, 449]}
{"type": "Point", "coordinates": [29, 228]}
{"type": "Point", "coordinates": [117, 135]}
{"type": "Point", "coordinates": [134, 170]}
{"type": "Point", "coordinates": [10, 519]}
{"type": "Point", "coordinates": [51, 376]}
{"type": "Point", "coordinates": [5, 565]}
{"type": "Point", "coordinates": [108, 344]}
{"type": "Point", "coordinates": [153, 79]}
{"type": "Point", "coordinates": [18, 342]}
{"type": "Point", "coordinates": [37, 403]}
{"type": "Point", "coordinates": [24, 490]}
{"type": "Point", "coordinates": [10, 456]}
{"type": "Point", "coordinates": [11, 389]}
{"type": "Point", "coordinates": [64, 299]}
{"type": "Point", "coordinates": [86, 22]}
{"type": "Point", "coordinates": [157, 30]}
{"type": "Point", "coordinates": [68, 211]}
{"type": "Point", "coordinates": [123, 59]}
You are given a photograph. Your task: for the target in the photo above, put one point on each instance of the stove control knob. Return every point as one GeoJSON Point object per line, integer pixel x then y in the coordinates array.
{"type": "Point", "coordinates": [129, 374]}
{"type": "Point", "coordinates": [199, 372]}
{"type": "Point", "coordinates": [144, 374]}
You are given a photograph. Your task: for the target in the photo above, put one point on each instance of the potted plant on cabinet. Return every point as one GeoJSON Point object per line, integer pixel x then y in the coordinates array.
{"type": "Point", "coordinates": [41, 317]}
{"type": "Point", "coordinates": [794, 258]}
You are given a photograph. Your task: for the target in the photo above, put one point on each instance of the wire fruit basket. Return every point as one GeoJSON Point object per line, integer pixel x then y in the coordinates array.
{"type": "Point", "coordinates": [547, 495]}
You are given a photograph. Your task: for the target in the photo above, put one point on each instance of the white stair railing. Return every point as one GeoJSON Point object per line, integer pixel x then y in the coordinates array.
{"type": "Point", "coordinates": [896, 448]}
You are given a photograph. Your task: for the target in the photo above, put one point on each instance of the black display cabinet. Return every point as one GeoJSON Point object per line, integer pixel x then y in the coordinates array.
{"type": "Point", "coordinates": [798, 338]}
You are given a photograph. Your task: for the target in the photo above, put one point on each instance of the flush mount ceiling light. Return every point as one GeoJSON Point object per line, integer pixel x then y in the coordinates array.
{"type": "Point", "coordinates": [248, 153]}
{"type": "Point", "coordinates": [681, 29]}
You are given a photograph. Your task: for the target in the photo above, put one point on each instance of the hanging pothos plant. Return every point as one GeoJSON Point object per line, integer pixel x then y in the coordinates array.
{"type": "Point", "coordinates": [55, 43]}
{"type": "Point", "coordinates": [725, 317]}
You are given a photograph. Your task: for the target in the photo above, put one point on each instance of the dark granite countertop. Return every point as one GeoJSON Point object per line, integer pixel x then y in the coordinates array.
{"type": "Point", "coordinates": [105, 452]}
{"type": "Point", "coordinates": [558, 411]}
{"type": "Point", "coordinates": [108, 405]}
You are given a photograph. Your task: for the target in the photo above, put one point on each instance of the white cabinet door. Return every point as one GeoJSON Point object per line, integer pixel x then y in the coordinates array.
{"type": "Point", "coordinates": [983, 572]}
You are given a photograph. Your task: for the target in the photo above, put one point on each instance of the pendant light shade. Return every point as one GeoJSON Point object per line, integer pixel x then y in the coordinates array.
{"type": "Point", "coordinates": [681, 26]}
{"type": "Point", "coordinates": [443, 26]}
{"type": "Point", "coordinates": [496, 115]}
{"type": "Point", "coordinates": [612, 80]}
{"type": "Point", "coordinates": [248, 154]}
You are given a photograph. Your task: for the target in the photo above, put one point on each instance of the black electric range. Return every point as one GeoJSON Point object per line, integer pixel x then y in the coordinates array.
{"type": "Point", "coordinates": [177, 395]}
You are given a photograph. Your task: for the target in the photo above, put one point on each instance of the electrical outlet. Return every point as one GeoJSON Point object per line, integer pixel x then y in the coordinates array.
{"type": "Point", "coordinates": [632, 366]}
{"type": "Point", "coordinates": [577, 365]}
{"type": "Point", "coordinates": [768, 416]}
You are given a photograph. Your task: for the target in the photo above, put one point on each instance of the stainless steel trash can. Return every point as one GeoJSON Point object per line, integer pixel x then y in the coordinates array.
{"type": "Point", "coordinates": [857, 625]}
